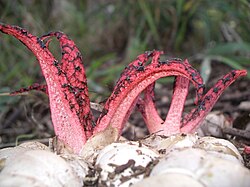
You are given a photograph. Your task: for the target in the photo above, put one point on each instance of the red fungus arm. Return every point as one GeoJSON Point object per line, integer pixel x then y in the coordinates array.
{"type": "Point", "coordinates": [135, 78]}
{"type": "Point", "coordinates": [147, 108]}
{"type": "Point", "coordinates": [66, 121]}
{"type": "Point", "coordinates": [73, 80]}
{"type": "Point", "coordinates": [197, 115]}
{"type": "Point", "coordinates": [36, 86]}
{"type": "Point", "coordinates": [172, 124]}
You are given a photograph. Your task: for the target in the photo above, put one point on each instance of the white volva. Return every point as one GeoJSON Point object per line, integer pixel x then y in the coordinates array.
{"type": "Point", "coordinates": [117, 154]}
{"type": "Point", "coordinates": [176, 161]}
{"type": "Point", "coordinates": [34, 165]}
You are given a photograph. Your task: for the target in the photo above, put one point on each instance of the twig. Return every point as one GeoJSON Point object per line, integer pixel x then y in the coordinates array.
{"type": "Point", "coordinates": [237, 132]}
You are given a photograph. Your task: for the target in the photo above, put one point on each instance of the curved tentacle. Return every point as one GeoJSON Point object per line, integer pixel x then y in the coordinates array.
{"type": "Point", "coordinates": [36, 86]}
{"type": "Point", "coordinates": [197, 115]}
{"type": "Point", "coordinates": [135, 78]}
{"type": "Point", "coordinates": [147, 108]}
{"type": "Point", "coordinates": [172, 124]}
{"type": "Point", "coordinates": [74, 81]}
{"type": "Point", "coordinates": [66, 121]}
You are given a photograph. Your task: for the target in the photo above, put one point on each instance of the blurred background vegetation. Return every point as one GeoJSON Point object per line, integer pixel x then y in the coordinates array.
{"type": "Point", "coordinates": [111, 33]}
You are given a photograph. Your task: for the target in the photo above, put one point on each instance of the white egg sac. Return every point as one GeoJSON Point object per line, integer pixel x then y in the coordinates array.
{"type": "Point", "coordinates": [38, 168]}
{"type": "Point", "coordinates": [180, 160]}
{"type": "Point", "coordinates": [205, 168]}
{"type": "Point", "coordinates": [125, 163]}
{"type": "Point", "coordinates": [206, 162]}
{"type": "Point", "coordinates": [34, 165]}
{"type": "Point", "coordinates": [175, 161]}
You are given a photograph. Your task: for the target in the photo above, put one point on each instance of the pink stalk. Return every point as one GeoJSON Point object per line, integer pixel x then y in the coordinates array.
{"type": "Point", "coordinates": [73, 81]}
{"type": "Point", "coordinates": [148, 110]}
{"type": "Point", "coordinates": [172, 124]}
{"type": "Point", "coordinates": [66, 83]}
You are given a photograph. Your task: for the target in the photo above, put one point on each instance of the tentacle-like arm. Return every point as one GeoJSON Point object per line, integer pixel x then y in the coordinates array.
{"type": "Point", "coordinates": [197, 115]}
{"type": "Point", "coordinates": [136, 77]}
{"type": "Point", "coordinates": [63, 79]}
